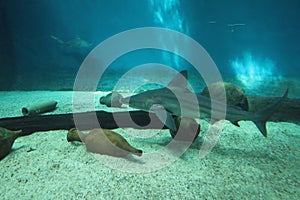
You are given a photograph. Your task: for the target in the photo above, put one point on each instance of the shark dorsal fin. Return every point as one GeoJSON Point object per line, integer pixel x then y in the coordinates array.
{"type": "Point", "coordinates": [179, 81]}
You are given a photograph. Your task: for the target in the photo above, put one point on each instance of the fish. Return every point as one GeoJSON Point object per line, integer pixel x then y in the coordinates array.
{"type": "Point", "coordinates": [7, 139]}
{"type": "Point", "coordinates": [237, 24]}
{"type": "Point", "coordinates": [104, 141]}
{"type": "Point", "coordinates": [77, 42]}
{"type": "Point", "coordinates": [170, 101]}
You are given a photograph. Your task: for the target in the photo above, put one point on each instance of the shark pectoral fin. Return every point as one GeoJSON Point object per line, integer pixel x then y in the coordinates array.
{"type": "Point", "coordinates": [235, 123]}
{"type": "Point", "coordinates": [169, 122]}
{"type": "Point", "coordinates": [179, 81]}
{"type": "Point", "coordinates": [165, 117]}
{"type": "Point", "coordinates": [261, 125]}
{"type": "Point", "coordinates": [212, 121]}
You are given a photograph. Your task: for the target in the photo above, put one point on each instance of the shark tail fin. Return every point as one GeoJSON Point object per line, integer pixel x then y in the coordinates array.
{"type": "Point", "coordinates": [267, 113]}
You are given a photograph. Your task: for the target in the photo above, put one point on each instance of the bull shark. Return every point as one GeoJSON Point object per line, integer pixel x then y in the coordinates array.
{"type": "Point", "coordinates": [177, 100]}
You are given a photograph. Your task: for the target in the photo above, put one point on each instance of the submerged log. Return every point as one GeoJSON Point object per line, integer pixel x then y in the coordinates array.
{"type": "Point", "coordinates": [288, 112]}
{"type": "Point", "coordinates": [30, 124]}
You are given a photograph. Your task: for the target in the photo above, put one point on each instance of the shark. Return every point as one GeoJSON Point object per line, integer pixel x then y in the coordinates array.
{"type": "Point", "coordinates": [76, 48]}
{"type": "Point", "coordinates": [76, 42]}
{"type": "Point", "coordinates": [178, 100]}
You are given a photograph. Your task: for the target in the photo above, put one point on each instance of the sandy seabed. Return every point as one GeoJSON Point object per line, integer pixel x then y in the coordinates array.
{"type": "Point", "coordinates": [242, 165]}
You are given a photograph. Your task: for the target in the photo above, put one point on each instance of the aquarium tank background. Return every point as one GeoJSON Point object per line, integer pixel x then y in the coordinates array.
{"type": "Point", "coordinates": [83, 81]}
{"type": "Point", "coordinates": [43, 43]}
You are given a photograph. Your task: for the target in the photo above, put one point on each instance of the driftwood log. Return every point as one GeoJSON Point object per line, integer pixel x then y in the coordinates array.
{"type": "Point", "coordinates": [288, 112]}
{"type": "Point", "coordinates": [31, 124]}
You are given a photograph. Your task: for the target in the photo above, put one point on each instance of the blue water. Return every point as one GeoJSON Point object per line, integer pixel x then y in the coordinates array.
{"type": "Point", "coordinates": [244, 38]}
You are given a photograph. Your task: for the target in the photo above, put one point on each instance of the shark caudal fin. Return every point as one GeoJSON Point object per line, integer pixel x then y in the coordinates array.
{"type": "Point", "coordinates": [267, 113]}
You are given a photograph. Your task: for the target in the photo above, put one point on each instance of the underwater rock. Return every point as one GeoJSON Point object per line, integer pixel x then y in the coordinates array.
{"type": "Point", "coordinates": [39, 108]}
{"type": "Point", "coordinates": [104, 141]}
{"type": "Point", "coordinates": [7, 138]}
{"type": "Point", "coordinates": [112, 100]}
{"type": "Point", "coordinates": [235, 95]}
{"type": "Point", "coordinates": [189, 129]}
